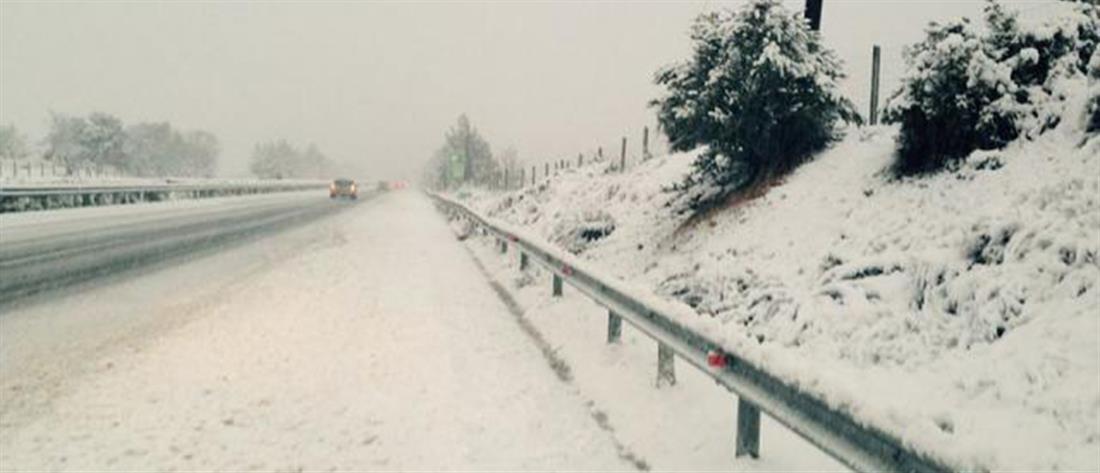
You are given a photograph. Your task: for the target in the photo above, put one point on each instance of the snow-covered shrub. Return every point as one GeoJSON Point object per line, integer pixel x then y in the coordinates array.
{"type": "Point", "coordinates": [969, 89]}
{"type": "Point", "coordinates": [576, 232]}
{"type": "Point", "coordinates": [760, 93]}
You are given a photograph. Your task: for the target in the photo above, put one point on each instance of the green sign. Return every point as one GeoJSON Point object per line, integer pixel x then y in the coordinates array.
{"type": "Point", "coordinates": [458, 168]}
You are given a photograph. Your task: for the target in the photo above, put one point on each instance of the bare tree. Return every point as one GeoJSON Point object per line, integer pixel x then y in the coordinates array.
{"type": "Point", "coordinates": [13, 144]}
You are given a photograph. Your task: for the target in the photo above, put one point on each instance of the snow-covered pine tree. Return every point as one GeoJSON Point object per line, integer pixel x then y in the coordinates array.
{"type": "Point", "coordinates": [760, 93]}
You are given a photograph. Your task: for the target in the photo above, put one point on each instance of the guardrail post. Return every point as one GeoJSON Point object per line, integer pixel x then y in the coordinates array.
{"type": "Point", "coordinates": [503, 245]}
{"type": "Point", "coordinates": [666, 370]}
{"type": "Point", "coordinates": [614, 327]}
{"type": "Point", "coordinates": [748, 429]}
{"type": "Point", "coordinates": [523, 261]}
{"type": "Point", "coordinates": [557, 286]}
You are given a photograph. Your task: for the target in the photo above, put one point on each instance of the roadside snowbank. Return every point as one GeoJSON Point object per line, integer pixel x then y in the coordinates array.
{"type": "Point", "coordinates": [961, 311]}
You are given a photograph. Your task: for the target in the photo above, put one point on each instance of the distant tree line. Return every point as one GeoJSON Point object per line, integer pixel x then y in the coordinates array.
{"type": "Point", "coordinates": [13, 144]}
{"type": "Point", "coordinates": [278, 159]}
{"type": "Point", "coordinates": [100, 139]}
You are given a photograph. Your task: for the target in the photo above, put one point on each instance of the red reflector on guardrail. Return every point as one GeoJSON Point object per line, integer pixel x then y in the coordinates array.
{"type": "Point", "coordinates": [716, 359]}
{"type": "Point", "coordinates": [566, 270]}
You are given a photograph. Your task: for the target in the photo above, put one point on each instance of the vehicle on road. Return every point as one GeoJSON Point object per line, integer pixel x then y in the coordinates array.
{"type": "Point", "coordinates": [346, 188]}
{"type": "Point", "coordinates": [391, 185]}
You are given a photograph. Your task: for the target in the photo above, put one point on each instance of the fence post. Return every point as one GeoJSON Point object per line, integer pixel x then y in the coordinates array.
{"type": "Point", "coordinates": [666, 370]}
{"type": "Point", "coordinates": [599, 153]}
{"type": "Point", "coordinates": [503, 245]}
{"type": "Point", "coordinates": [557, 285]}
{"type": "Point", "coordinates": [748, 429]}
{"type": "Point", "coordinates": [614, 327]}
{"type": "Point", "coordinates": [524, 262]}
{"type": "Point", "coordinates": [622, 157]}
{"type": "Point", "coordinates": [534, 171]}
{"type": "Point", "coordinates": [645, 143]}
{"type": "Point", "coordinates": [875, 58]}
{"type": "Point", "coordinates": [547, 173]}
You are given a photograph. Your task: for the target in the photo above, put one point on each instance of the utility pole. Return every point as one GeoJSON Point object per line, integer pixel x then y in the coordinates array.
{"type": "Point", "coordinates": [813, 13]}
{"type": "Point", "coordinates": [875, 61]}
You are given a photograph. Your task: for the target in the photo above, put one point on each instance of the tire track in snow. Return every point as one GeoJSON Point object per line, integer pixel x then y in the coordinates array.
{"type": "Point", "coordinates": [559, 366]}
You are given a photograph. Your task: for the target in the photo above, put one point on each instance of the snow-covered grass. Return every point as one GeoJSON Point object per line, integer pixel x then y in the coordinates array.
{"type": "Point", "coordinates": [960, 311]}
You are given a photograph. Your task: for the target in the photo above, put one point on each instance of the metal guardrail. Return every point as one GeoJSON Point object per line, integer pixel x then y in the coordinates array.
{"type": "Point", "coordinates": [856, 444]}
{"type": "Point", "coordinates": [18, 197]}
{"type": "Point", "coordinates": [33, 191]}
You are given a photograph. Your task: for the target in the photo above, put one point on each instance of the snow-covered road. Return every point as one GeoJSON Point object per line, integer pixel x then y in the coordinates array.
{"type": "Point", "coordinates": [48, 250]}
{"type": "Point", "coordinates": [366, 341]}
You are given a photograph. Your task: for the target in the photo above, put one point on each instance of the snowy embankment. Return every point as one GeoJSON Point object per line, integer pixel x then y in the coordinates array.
{"type": "Point", "coordinates": [960, 311]}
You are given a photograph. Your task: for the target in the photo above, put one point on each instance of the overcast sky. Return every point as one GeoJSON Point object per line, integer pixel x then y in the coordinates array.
{"type": "Point", "coordinates": [379, 83]}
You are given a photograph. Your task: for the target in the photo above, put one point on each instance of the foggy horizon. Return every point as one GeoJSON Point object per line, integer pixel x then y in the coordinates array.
{"type": "Point", "coordinates": [379, 84]}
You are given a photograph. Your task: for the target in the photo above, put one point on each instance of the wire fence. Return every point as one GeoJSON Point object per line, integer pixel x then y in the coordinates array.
{"type": "Point", "coordinates": [617, 156]}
